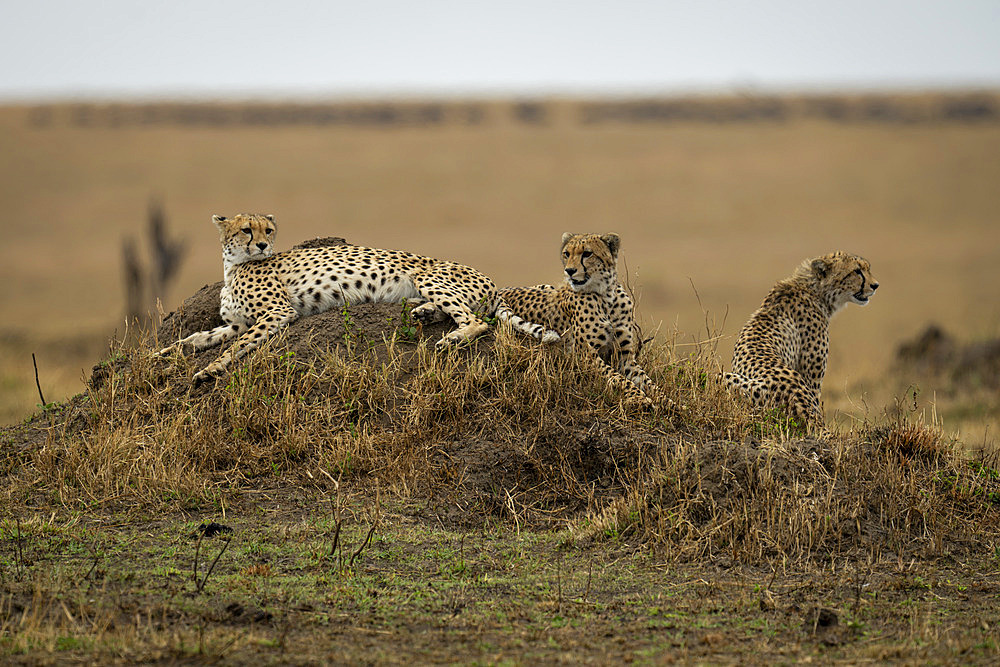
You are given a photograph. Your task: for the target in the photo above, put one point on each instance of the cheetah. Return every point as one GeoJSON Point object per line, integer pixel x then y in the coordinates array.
{"type": "Point", "coordinates": [781, 352]}
{"type": "Point", "coordinates": [592, 305]}
{"type": "Point", "coordinates": [265, 291]}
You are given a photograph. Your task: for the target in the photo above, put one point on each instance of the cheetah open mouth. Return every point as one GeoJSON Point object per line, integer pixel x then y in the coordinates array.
{"type": "Point", "coordinates": [860, 297]}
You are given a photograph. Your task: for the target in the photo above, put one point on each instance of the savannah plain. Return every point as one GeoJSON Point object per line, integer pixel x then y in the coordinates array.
{"type": "Point", "coordinates": [712, 209]}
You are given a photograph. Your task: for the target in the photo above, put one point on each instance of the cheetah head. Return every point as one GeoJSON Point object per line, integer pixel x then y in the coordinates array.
{"type": "Point", "coordinates": [246, 236]}
{"type": "Point", "coordinates": [589, 261]}
{"type": "Point", "coordinates": [843, 278]}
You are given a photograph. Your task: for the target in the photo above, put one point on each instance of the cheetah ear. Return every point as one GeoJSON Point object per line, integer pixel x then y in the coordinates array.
{"type": "Point", "coordinates": [270, 217]}
{"type": "Point", "coordinates": [566, 237]}
{"type": "Point", "coordinates": [218, 220]}
{"type": "Point", "coordinates": [820, 267]}
{"type": "Point", "coordinates": [614, 242]}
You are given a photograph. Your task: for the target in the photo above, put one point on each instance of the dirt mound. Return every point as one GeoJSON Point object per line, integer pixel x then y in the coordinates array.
{"type": "Point", "coordinates": [500, 431]}
{"type": "Point", "coordinates": [755, 502]}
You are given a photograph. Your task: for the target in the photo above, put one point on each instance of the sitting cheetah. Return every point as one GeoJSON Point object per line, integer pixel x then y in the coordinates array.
{"type": "Point", "coordinates": [265, 291]}
{"type": "Point", "coordinates": [592, 305]}
{"type": "Point", "coordinates": [780, 356]}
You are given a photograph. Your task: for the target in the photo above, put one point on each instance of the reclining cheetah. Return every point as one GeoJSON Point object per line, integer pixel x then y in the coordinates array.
{"type": "Point", "coordinates": [780, 356]}
{"type": "Point", "coordinates": [265, 291]}
{"type": "Point", "coordinates": [592, 305]}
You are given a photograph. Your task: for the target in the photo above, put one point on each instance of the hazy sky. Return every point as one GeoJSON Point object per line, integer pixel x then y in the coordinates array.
{"type": "Point", "coordinates": [76, 48]}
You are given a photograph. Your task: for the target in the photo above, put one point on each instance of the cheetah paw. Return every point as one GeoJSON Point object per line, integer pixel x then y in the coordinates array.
{"type": "Point", "coordinates": [201, 377]}
{"type": "Point", "coordinates": [551, 337]}
{"type": "Point", "coordinates": [427, 313]}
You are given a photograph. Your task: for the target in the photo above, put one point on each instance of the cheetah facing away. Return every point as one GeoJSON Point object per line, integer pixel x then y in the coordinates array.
{"type": "Point", "coordinates": [264, 291]}
{"type": "Point", "coordinates": [781, 352]}
{"type": "Point", "coordinates": [592, 305]}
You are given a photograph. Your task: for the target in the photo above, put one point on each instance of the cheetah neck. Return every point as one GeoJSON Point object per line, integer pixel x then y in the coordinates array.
{"type": "Point", "coordinates": [806, 289]}
{"type": "Point", "coordinates": [834, 303]}
{"type": "Point", "coordinates": [604, 287]}
{"type": "Point", "coordinates": [230, 261]}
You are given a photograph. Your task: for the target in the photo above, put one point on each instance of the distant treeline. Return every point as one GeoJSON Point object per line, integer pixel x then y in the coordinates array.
{"type": "Point", "coordinates": [872, 108]}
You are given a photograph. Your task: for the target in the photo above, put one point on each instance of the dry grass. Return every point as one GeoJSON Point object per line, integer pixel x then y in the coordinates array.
{"type": "Point", "coordinates": [494, 446]}
{"type": "Point", "coordinates": [140, 435]}
{"type": "Point", "coordinates": [886, 493]}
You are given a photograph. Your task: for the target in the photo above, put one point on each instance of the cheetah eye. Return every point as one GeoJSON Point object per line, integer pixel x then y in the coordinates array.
{"type": "Point", "coordinates": [586, 254]}
{"type": "Point", "coordinates": [566, 254]}
{"type": "Point", "coordinates": [860, 272]}
{"type": "Point", "coordinates": [245, 230]}
{"type": "Point", "coordinates": [270, 231]}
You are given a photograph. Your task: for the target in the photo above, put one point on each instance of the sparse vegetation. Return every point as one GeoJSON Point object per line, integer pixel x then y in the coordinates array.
{"type": "Point", "coordinates": [412, 500]}
{"type": "Point", "coordinates": [498, 504]}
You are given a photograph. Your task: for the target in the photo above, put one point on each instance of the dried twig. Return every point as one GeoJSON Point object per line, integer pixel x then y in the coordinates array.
{"type": "Point", "coordinates": [211, 567]}
{"type": "Point", "coordinates": [19, 560]}
{"type": "Point", "coordinates": [197, 548]}
{"type": "Point", "coordinates": [97, 559]}
{"type": "Point", "coordinates": [336, 538]}
{"type": "Point", "coordinates": [364, 544]}
{"type": "Point", "coordinates": [37, 383]}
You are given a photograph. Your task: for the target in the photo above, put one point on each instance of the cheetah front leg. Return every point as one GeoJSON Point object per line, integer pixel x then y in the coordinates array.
{"type": "Point", "coordinates": [614, 379]}
{"type": "Point", "coordinates": [589, 342]}
{"type": "Point", "coordinates": [203, 339]}
{"type": "Point", "coordinates": [266, 326]}
{"type": "Point", "coordinates": [428, 313]}
{"type": "Point", "coordinates": [627, 362]}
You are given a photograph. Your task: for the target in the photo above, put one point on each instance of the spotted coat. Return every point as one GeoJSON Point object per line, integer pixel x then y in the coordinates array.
{"type": "Point", "coordinates": [781, 353]}
{"type": "Point", "coordinates": [591, 307]}
{"type": "Point", "coordinates": [265, 291]}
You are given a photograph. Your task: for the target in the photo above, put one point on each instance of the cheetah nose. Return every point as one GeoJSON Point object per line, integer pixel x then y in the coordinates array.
{"type": "Point", "coordinates": [874, 286]}
{"type": "Point", "coordinates": [262, 245]}
{"type": "Point", "coordinates": [570, 270]}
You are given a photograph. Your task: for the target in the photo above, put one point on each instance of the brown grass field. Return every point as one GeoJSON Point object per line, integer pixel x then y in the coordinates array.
{"type": "Point", "coordinates": [499, 506]}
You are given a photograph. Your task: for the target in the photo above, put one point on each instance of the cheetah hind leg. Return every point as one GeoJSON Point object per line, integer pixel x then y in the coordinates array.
{"type": "Point", "coordinates": [787, 390]}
